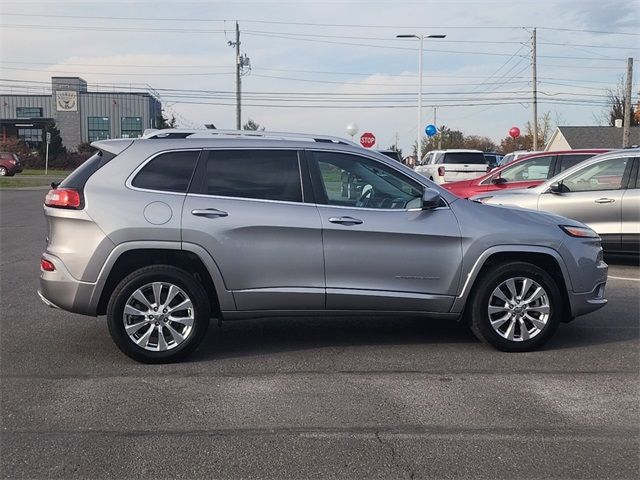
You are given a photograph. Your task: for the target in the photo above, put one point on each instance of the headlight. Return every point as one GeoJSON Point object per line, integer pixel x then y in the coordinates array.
{"type": "Point", "coordinates": [580, 232]}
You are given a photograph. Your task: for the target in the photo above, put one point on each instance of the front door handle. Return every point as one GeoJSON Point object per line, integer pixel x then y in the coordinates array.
{"type": "Point", "coordinates": [605, 200]}
{"type": "Point", "coordinates": [209, 212]}
{"type": "Point", "coordinates": [345, 220]}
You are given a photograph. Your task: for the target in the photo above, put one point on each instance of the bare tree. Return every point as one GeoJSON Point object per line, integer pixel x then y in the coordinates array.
{"type": "Point", "coordinates": [615, 108]}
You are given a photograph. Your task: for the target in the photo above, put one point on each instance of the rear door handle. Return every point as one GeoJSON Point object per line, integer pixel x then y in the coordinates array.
{"type": "Point", "coordinates": [345, 220]}
{"type": "Point", "coordinates": [209, 212]}
{"type": "Point", "coordinates": [604, 200]}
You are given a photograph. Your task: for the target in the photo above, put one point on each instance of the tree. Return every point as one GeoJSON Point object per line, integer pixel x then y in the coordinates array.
{"type": "Point", "coordinates": [615, 108]}
{"type": "Point", "coordinates": [395, 148]}
{"type": "Point", "coordinates": [546, 127]}
{"type": "Point", "coordinates": [165, 122]}
{"type": "Point", "coordinates": [55, 146]}
{"type": "Point", "coordinates": [476, 142]}
{"type": "Point", "coordinates": [251, 125]}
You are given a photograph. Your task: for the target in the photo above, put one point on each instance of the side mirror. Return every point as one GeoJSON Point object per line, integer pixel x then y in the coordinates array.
{"type": "Point", "coordinates": [498, 181]}
{"type": "Point", "coordinates": [557, 187]}
{"type": "Point", "coordinates": [430, 199]}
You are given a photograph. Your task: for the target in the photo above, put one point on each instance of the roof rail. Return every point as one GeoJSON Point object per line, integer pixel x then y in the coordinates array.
{"type": "Point", "coordinates": [170, 133]}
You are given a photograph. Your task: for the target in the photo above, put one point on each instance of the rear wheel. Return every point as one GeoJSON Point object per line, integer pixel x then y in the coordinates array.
{"type": "Point", "coordinates": [158, 314]}
{"type": "Point", "coordinates": [516, 307]}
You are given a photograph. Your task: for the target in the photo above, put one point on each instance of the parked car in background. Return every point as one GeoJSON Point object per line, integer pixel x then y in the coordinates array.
{"type": "Point", "coordinates": [510, 157]}
{"type": "Point", "coordinates": [529, 171]}
{"type": "Point", "coordinates": [443, 166]}
{"type": "Point", "coordinates": [392, 154]}
{"type": "Point", "coordinates": [601, 192]}
{"type": "Point", "coordinates": [9, 164]}
{"type": "Point", "coordinates": [493, 159]}
{"type": "Point", "coordinates": [165, 232]}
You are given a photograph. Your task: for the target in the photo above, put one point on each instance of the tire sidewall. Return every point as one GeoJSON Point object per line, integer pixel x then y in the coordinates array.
{"type": "Point", "coordinates": [481, 323]}
{"type": "Point", "coordinates": [139, 278]}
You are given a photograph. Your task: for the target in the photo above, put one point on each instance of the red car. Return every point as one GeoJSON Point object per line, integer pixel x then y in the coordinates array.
{"type": "Point", "coordinates": [525, 172]}
{"type": "Point", "coordinates": [9, 164]}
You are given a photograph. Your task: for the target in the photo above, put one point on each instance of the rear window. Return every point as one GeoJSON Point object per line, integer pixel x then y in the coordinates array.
{"type": "Point", "coordinates": [464, 157]}
{"type": "Point", "coordinates": [78, 178]}
{"type": "Point", "coordinates": [168, 172]}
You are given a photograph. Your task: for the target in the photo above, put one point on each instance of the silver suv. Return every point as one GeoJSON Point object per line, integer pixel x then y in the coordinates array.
{"type": "Point", "coordinates": [165, 232]}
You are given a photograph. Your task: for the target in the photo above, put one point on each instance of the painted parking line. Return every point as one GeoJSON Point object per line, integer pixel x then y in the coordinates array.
{"type": "Point", "coordinates": [624, 278]}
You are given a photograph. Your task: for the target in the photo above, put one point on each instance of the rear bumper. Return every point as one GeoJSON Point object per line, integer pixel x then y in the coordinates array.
{"type": "Point", "coordinates": [58, 289]}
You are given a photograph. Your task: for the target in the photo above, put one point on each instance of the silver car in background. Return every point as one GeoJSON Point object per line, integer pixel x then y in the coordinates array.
{"type": "Point", "coordinates": [602, 192]}
{"type": "Point", "coordinates": [163, 233]}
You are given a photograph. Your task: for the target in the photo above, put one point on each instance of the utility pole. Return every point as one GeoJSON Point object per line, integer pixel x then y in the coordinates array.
{"type": "Point", "coordinates": [627, 105]}
{"type": "Point", "coordinates": [241, 62]}
{"type": "Point", "coordinates": [238, 80]}
{"type": "Point", "coordinates": [535, 92]}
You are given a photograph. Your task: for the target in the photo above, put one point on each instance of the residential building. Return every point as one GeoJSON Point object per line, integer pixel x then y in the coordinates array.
{"type": "Point", "coordinates": [568, 138]}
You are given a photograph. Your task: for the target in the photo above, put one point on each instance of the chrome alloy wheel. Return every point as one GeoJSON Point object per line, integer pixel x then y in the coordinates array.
{"type": "Point", "coordinates": [519, 309]}
{"type": "Point", "coordinates": [158, 316]}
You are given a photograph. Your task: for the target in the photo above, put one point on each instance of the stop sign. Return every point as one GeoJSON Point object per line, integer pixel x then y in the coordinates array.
{"type": "Point", "coordinates": [367, 140]}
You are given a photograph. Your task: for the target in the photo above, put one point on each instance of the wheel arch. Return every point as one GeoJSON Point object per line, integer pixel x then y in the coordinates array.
{"type": "Point", "coordinates": [128, 257]}
{"type": "Point", "coordinates": [544, 257]}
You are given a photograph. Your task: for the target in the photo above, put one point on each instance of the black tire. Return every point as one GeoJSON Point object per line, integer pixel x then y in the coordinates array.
{"type": "Point", "coordinates": [158, 273]}
{"type": "Point", "coordinates": [4, 172]}
{"type": "Point", "coordinates": [479, 303]}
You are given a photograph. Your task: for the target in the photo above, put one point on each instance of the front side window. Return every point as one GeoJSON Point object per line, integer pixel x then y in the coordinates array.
{"type": "Point", "coordinates": [527, 170]}
{"type": "Point", "coordinates": [256, 174]}
{"type": "Point", "coordinates": [98, 128]}
{"type": "Point", "coordinates": [28, 112]}
{"type": "Point", "coordinates": [131, 127]}
{"type": "Point", "coordinates": [32, 137]}
{"type": "Point", "coordinates": [605, 175]}
{"type": "Point", "coordinates": [168, 172]}
{"type": "Point", "coordinates": [354, 181]}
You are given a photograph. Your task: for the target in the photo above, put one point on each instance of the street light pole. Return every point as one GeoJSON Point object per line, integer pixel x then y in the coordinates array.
{"type": "Point", "coordinates": [420, 55]}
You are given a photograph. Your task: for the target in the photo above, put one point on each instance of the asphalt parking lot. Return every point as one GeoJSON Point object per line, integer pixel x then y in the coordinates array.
{"type": "Point", "coordinates": [301, 398]}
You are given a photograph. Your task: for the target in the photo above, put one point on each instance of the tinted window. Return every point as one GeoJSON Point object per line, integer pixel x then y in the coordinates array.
{"type": "Point", "coordinates": [465, 157]}
{"type": "Point", "coordinates": [170, 172]}
{"type": "Point", "coordinates": [528, 170]}
{"type": "Point", "coordinates": [568, 161]}
{"type": "Point", "coordinates": [605, 175]}
{"type": "Point", "coordinates": [80, 175]}
{"type": "Point", "coordinates": [261, 174]}
{"type": "Point", "coordinates": [354, 181]}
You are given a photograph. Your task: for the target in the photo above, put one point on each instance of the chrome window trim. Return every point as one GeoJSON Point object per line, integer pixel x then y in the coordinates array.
{"type": "Point", "coordinates": [222, 197]}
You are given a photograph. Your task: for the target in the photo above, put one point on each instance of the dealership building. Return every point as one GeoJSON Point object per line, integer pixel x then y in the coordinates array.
{"type": "Point", "coordinates": [80, 115]}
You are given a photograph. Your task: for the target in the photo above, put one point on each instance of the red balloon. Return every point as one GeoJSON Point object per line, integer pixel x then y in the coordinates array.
{"type": "Point", "coordinates": [514, 132]}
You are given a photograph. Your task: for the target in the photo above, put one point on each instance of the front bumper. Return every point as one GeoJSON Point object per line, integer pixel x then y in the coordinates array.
{"type": "Point", "coordinates": [583, 303]}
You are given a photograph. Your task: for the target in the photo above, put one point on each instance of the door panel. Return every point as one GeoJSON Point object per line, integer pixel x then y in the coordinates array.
{"type": "Point", "coordinates": [268, 251]}
{"type": "Point", "coordinates": [379, 252]}
{"type": "Point", "coordinates": [630, 231]}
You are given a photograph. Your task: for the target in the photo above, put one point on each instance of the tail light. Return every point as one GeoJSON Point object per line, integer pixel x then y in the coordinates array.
{"type": "Point", "coordinates": [46, 265]}
{"type": "Point", "coordinates": [63, 198]}
{"type": "Point", "coordinates": [441, 171]}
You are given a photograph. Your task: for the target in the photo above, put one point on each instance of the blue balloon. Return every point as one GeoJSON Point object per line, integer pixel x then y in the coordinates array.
{"type": "Point", "coordinates": [431, 130]}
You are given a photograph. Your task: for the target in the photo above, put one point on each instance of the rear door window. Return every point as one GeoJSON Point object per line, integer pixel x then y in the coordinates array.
{"type": "Point", "coordinates": [168, 172]}
{"type": "Point", "coordinates": [257, 174]}
{"type": "Point", "coordinates": [468, 158]}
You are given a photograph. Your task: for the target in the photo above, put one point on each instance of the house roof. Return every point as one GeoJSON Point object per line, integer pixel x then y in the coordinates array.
{"type": "Point", "coordinates": [598, 137]}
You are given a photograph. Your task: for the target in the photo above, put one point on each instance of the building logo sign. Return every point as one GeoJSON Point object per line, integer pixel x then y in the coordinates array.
{"type": "Point", "coordinates": [67, 101]}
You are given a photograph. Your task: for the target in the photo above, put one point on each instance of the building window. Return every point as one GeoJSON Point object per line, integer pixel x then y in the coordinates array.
{"type": "Point", "coordinates": [32, 137]}
{"type": "Point", "coordinates": [98, 128]}
{"type": "Point", "coordinates": [131, 127]}
{"type": "Point", "coordinates": [28, 112]}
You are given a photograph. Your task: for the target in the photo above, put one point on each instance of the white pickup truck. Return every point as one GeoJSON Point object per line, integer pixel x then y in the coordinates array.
{"type": "Point", "coordinates": [452, 165]}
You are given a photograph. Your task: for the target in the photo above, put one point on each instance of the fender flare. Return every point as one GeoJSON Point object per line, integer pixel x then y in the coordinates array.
{"type": "Point", "coordinates": [461, 299]}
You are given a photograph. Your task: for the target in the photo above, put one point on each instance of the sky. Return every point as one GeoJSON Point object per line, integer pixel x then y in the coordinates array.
{"type": "Point", "coordinates": [317, 66]}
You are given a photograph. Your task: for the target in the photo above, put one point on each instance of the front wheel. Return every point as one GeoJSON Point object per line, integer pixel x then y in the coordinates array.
{"type": "Point", "coordinates": [516, 307]}
{"type": "Point", "coordinates": [158, 314]}
{"type": "Point", "coordinates": [3, 172]}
